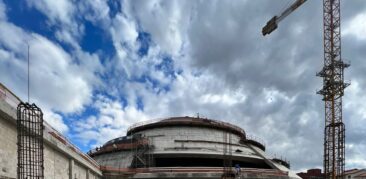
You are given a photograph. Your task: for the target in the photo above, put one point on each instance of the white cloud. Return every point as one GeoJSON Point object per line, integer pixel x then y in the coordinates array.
{"type": "Point", "coordinates": [231, 73]}
{"type": "Point", "coordinates": [55, 120]}
{"type": "Point", "coordinates": [56, 11]}
{"type": "Point", "coordinates": [214, 98]}
{"type": "Point", "coordinates": [166, 21]}
{"type": "Point", "coordinates": [13, 37]}
{"type": "Point", "coordinates": [112, 121]}
{"type": "Point", "coordinates": [96, 11]}
{"type": "Point", "coordinates": [62, 16]}
{"type": "Point", "coordinates": [54, 72]}
{"type": "Point", "coordinates": [56, 75]}
{"type": "Point", "coordinates": [265, 85]}
{"type": "Point", "coordinates": [59, 81]}
{"type": "Point", "coordinates": [124, 30]}
{"type": "Point", "coordinates": [357, 26]}
{"type": "Point", "coordinates": [66, 36]}
{"type": "Point", "coordinates": [67, 17]}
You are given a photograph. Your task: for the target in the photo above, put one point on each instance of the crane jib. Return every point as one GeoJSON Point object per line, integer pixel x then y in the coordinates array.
{"type": "Point", "coordinates": [273, 23]}
{"type": "Point", "coordinates": [270, 26]}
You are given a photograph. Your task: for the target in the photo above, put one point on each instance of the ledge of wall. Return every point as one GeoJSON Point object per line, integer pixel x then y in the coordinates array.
{"type": "Point", "coordinates": [54, 140]}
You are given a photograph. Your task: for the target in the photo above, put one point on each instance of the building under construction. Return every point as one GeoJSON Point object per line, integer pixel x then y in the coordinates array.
{"type": "Point", "coordinates": [179, 147]}
{"type": "Point", "coordinates": [187, 147]}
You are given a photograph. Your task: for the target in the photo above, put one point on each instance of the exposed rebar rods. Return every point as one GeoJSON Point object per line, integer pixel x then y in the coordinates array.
{"type": "Point", "coordinates": [30, 142]}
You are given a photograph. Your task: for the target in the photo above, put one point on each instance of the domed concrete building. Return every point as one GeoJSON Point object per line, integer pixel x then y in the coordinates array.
{"type": "Point", "coordinates": [178, 147]}
{"type": "Point", "coordinates": [187, 147]}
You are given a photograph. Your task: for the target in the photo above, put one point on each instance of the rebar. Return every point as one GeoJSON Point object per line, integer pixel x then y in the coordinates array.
{"type": "Point", "coordinates": [30, 142]}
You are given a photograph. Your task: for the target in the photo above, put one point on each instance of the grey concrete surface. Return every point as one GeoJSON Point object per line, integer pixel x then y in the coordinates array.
{"type": "Point", "coordinates": [57, 156]}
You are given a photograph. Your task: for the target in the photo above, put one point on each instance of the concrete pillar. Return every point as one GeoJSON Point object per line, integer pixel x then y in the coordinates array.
{"type": "Point", "coordinates": [71, 168]}
{"type": "Point", "coordinates": [88, 174]}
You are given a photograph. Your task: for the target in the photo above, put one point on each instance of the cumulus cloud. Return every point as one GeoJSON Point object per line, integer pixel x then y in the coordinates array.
{"type": "Point", "coordinates": [169, 31]}
{"type": "Point", "coordinates": [123, 31]}
{"type": "Point", "coordinates": [56, 65]}
{"type": "Point", "coordinates": [206, 58]}
{"type": "Point", "coordinates": [52, 71]}
{"type": "Point", "coordinates": [230, 72]}
{"type": "Point", "coordinates": [57, 11]}
{"type": "Point", "coordinates": [55, 74]}
{"type": "Point", "coordinates": [357, 27]}
{"type": "Point", "coordinates": [95, 11]}
{"type": "Point", "coordinates": [55, 120]}
{"type": "Point", "coordinates": [61, 14]}
{"type": "Point", "coordinates": [112, 121]}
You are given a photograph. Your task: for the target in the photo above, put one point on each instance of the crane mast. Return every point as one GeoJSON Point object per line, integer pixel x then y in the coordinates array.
{"type": "Point", "coordinates": [333, 85]}
{"type": "Point", "coordinates": [332, 91]}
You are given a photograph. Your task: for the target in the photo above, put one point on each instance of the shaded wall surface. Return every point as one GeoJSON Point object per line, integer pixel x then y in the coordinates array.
{"type": "Point", "coordinates": [61, 159]}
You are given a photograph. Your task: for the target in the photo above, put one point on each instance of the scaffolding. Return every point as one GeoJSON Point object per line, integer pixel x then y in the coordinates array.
{"type": "Point", "coordinates": [30, 142]}
{"type": "Point", "coordinates": [227, 157]}
{"type": "Point", "coordinates": [142, 157]}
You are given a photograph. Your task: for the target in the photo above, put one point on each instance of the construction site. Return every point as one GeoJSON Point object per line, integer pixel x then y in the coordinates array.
{"type": "Point", "coordinates": [177, 147]}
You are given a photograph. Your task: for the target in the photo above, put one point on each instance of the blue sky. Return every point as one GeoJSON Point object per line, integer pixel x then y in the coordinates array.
{"type": "Point", "coordinates": [99, 66]}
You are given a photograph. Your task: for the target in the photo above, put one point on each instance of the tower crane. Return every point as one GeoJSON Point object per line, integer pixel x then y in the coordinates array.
{"type": "Point", "coordinates": [333, 85]}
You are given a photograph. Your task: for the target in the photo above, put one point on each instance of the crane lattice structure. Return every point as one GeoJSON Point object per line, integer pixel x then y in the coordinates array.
{"type": "Point", "coordinates": [333, 85]}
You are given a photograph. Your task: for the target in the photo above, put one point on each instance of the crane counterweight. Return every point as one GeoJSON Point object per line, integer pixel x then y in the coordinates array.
{"type": "Point", "coordinates": [270, 26]}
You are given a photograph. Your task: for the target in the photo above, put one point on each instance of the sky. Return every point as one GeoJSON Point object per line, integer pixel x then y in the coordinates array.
{"type": "Point", "coordinates": [99, 66]}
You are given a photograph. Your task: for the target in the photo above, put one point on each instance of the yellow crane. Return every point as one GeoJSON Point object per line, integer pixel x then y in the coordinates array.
{"type": "Point", "coordinates": [333, 85]}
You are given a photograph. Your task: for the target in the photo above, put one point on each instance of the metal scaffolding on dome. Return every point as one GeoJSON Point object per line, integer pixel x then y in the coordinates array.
{"type": "Point", "coordinates": [227, 154]}
{"type": "Point", "coordinates": [142, 157]}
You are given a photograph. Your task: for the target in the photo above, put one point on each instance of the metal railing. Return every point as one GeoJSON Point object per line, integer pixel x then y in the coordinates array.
{"type": "Point", "coordinates": [49, 129]}
{"type": "Point", "coordinates": [265, 172]}
{"type": "Point", "coordinates": [256, 138]}
{"type": "Point", "coordinates": [228, 124]}
{"type": "Point", "coordinates": [142, 123]}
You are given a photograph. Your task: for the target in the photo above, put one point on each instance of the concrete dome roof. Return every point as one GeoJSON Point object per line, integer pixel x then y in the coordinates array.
{"type": "Point", "coordinates": [187, 121]}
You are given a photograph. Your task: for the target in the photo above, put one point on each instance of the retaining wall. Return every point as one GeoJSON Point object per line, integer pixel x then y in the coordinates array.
{"type": "Point", "coordinates": [61, 158]}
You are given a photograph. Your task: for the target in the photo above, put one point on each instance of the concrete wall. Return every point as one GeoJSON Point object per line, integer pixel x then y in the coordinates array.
{"type": "Point", "coordinates": [8, 150]}
{"type": "Point", "coordinates": [79, 171]}
{"type": "Point", "coordinates": [56, 164]}
{"type": "Point", "coordinates": [184, 141]}
{"type": "Point", "coordinates": [197, 139]}
{"type": "Point", "coordinates": [355, 174]}
{"type": "Point", "coordinates": [61, 161]}
{"type": "Point", "coordinates": [122, 159]}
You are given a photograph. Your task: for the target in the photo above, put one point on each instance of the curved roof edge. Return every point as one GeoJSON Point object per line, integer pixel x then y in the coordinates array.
{"type": "Point", "coordinates": [186, 121]}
